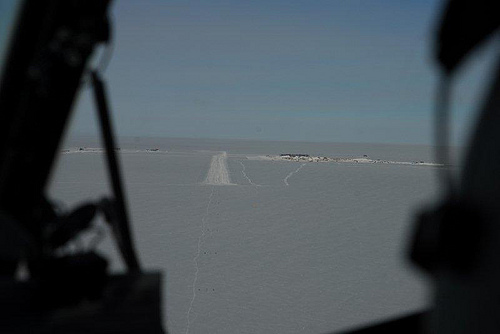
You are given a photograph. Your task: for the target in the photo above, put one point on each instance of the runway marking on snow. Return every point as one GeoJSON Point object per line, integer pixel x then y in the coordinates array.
{"type": "Point", "coordinates": [285, 180]}
{"type": "Point", "coordinates": [195, 259]}
{"type": "Point", "coordinates": [218, 173]}
{"type": "Point", "coordinates": [245, 174]}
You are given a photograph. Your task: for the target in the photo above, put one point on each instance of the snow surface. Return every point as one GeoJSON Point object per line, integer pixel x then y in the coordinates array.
{"type": "Point", "coordinates": [292, 247]}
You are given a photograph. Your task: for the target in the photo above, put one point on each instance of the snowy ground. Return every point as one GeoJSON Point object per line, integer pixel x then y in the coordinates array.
{"type": "Point", "coordinates": [291, 247]}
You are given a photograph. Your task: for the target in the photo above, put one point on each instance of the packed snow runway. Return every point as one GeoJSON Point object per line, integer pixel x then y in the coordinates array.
{"type": "Point", "coordinates": [218, 174]}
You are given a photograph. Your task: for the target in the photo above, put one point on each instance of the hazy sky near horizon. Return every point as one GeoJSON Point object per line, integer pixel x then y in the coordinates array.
{"type": "Point", "coordinates": [323, 70]}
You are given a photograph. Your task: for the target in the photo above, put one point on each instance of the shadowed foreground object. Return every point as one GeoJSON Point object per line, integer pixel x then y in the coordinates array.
{"type": "Point", "coordinates": [62, 292]}
{"type": "Point", "coordinates": [129, 304]}
{"type": "Point", "coordinates": [411, 324]}
{"type": "Point", "coordinates": [465, 25]}
{"type": "Point", "coordinates": [457, 242]}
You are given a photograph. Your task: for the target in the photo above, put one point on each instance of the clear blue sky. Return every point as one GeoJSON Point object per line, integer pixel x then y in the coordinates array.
{"type": "Point", "coordinates": [334, 70]}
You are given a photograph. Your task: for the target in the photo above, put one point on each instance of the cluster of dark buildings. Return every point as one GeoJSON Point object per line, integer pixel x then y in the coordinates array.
{"type": "Point", "coordinates": [293, 155]}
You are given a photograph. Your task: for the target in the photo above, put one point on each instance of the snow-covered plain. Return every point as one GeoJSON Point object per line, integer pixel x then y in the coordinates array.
{"type": "Point", "coordinates": [291, 247]}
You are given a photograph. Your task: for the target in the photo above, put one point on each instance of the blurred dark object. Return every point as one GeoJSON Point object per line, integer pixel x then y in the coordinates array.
{"type": "Point", "coordinates": [67, 227]}
{"type": "Point", "coordinates": [66, 280]}
{"type": "Point", "coordinates": [115, 210]}
{"type": "Point", "coordinates": [129, 304]}
{"type": "Point", "coordinates": [457, 241]}
{"type": "Point", "coordinates": [448, 237]}
{"type": "Point", "coordinates": [50, 48]}
{"type": "Point", "coordinates": [464, 25]}
{"type": "Point", "coordinates": [64, 291]}
{"type": "Point", "coordinates": [409, 324]}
